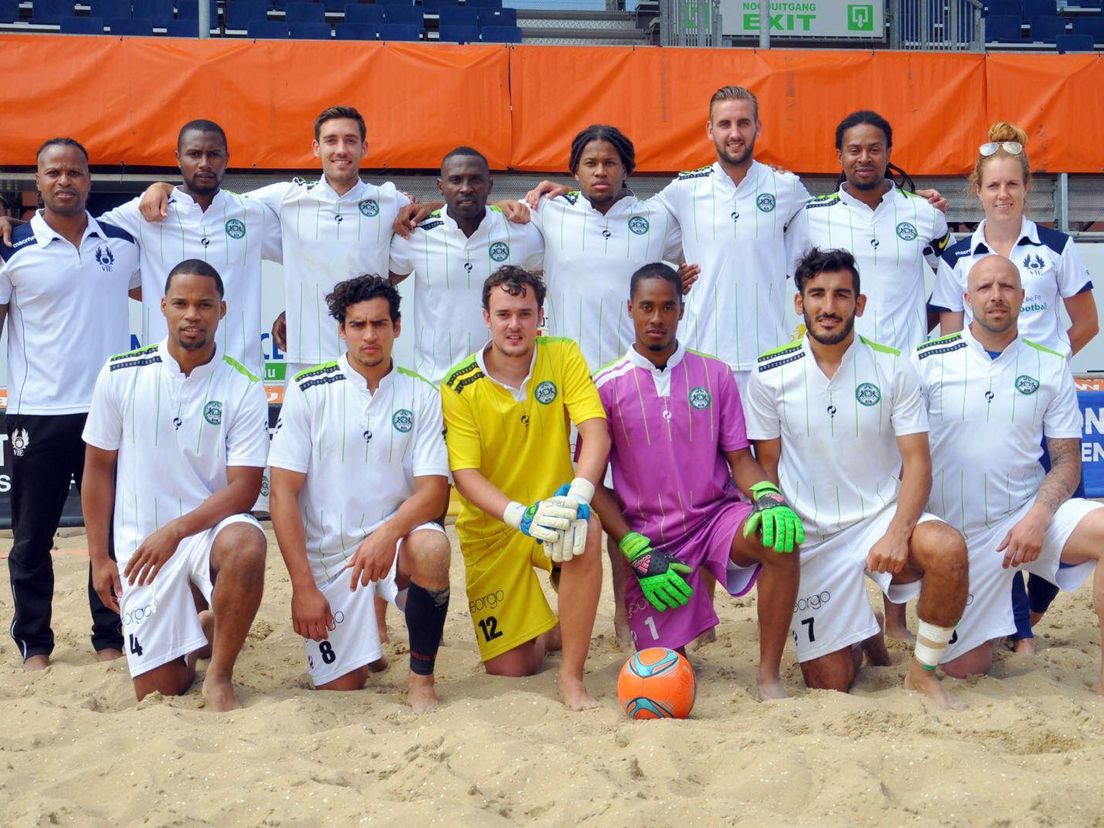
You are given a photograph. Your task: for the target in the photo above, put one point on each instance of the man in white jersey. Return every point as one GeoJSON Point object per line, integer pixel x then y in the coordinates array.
{"type": "Point", "coordinates": [839, 423]}
{"type": "Point", "coordinates": [359, 473]}
{"type": "Point", "coordinates": [177, 440]}
{"type": "Point", "coordinates": [992, 396]}
{"type": "Point", "coordinates": [450, 255]}
{"type": "Point", "coordinates": [63, 282]}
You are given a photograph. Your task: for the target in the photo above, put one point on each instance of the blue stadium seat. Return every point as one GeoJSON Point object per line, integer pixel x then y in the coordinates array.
{"type": "Point", "coordinates": [82, 25]}
{"type": "Point", "coordinates": [305, 13]}
{"type": "Point", "coordinates": [269, 30]}
{"type": "Point", "coordinates": [1074, 43]}
{"type": "Point", "coordinates": [310, 31]}
{"type": "Point", "coordinates": [182, 28]}
{"type": "Point", "coordinates": [435, 6]}
{"type": "Point", "coordinates": [131, 26]}
{"type": "Point", "coordinates": [400, 31]}
{"type": "Point", "coordinates": [1045, 28]}
{"type": "Point", "coordinates": [456, 16]}
{"type": "Point", "coordinates": [485, 4]}
{"type": "Point", "coordinates": [159, 11]}
{"type": "Point", "coordinates": [497, 17]}
{"type": "Point", "coordinates": [9, 11]}
{"type": "Point", "coordinates": [335, 6]}
{"type": "Point", "coordinates": [1003, 28]}
{"type": "Point", "coordinates": [395, 3]}
{"type": "Point", "coordinates": [240, 14]}
{"type": "Point", "coordinates": [1039, 8]}
{"type": "Point", "coordinates": [1091, 26]}
{"type": "Point", "coordinates": [110, 9]}
{"type": "Point", "coordinates": [1003, 7]}
{"type": "Point", "coordinates": [189, 10]}
{"type": "Point", "coordinates": [459, 33]}
{"type": "Point", "coordinates": [50, 12]}
{"type": "Point", "coordinates": [403, 15]}
{"type": "Point", "coordinates": [357, 31]}
{"type": "Point", "coordinates": [368, 15]}
{"type": "Point", "coordinates": [501, 34]}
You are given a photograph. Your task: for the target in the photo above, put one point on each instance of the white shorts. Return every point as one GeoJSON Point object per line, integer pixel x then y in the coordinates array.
{"type": "Point", "coordinates": [988, 612]}
{"type": "Point", "coordinates": [354, 640]}
{"type": "Point", "coordinates": [832, 609]}
{"type": "Point", "coordinates": [160, 622]}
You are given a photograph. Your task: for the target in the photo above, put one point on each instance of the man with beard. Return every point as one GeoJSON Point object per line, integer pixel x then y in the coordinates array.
{"type": "Point", "coordinates": [839, 423]}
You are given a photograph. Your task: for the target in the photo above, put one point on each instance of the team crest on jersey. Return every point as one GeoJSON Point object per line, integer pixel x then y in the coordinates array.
{"type": "Point", "coordinates": [700, 398]}
{"type": "Point", "coordinates": [906, 231]}
{"type": "Point", "coordinates": [639, 225]}
{"type": "Point", "coordinates": [20, 439]}
{"type": "Point", "coordinates": [546, 392]}
{"type": "Point", "coordinates": [765, 202]}
{"type": "Point", "coordinates": [499, 251]}
{"type": "Point", "coordinates": [212, 412]}
{"type": "Point", "coordinates": [105, 258]}
{"type": "Point", "coordinates": [1026, 385]}
{"type": "Point", "coordinates": [868, 394]}
{"type": "Point", "coordinates": [235, 228]}
{"type": "Point", "coordinates": [1034, 262]}
{"type": "Point", "coordinates": [369, 208]}
{"type": "Point", "coordinates": [403, 420]}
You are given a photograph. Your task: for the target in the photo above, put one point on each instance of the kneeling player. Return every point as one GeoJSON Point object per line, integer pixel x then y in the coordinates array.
{"type": "Point", "coordinates": [992, 396]}
{"type": "Point", "coordinates": [183, 431]}
{"type": "Point", "coordinates": [677, 428]}
{"type": "Point", "coordinates": [840, 422]}
{"type": "Point", "coordinates": [359, 472]}
{"type": "Point", "coordinates": [506, 409]}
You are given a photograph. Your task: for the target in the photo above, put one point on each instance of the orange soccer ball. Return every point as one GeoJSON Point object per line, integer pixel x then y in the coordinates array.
{"type": "Point", "coordinates": [657, 683]}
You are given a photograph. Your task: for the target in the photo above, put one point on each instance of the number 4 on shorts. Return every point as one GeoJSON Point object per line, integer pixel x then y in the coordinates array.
{"type": "Point", "coordinates": [135, 647]}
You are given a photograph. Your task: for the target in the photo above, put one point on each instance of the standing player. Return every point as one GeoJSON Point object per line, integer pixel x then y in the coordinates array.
{"type": "Point", "coordinates": [177, 439]}
{"type": "Point", "coordinates": [992, 398]}
{"type": "Point", "coordinates": [64, 282]}
{"type": "Point", "coordinates": [839, 422]}
{"type": "Point", "coordinates": [677, 429]}
{"type": "Point", "coordinates": [359, 471]}
{"type": "Point", "coordinates": [507, 409]}
{"type": "Point", "coordinates": [450, 256]}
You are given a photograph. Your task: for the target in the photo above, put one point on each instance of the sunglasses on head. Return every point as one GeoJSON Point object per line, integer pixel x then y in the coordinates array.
{"type": "Point", "coordinates": [1011, 147]}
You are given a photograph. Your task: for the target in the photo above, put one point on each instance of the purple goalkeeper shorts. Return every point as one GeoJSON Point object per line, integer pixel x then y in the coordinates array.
{"type": "Point", "coordinates": [707, 547]}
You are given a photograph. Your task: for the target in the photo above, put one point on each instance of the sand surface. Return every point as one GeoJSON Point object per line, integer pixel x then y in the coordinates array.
{"type": "Point", "coordinates": [75, 748]}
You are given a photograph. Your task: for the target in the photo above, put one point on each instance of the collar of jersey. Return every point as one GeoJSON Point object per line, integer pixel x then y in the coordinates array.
{"type": "Point", "coordinates": [354, 192]}
{"type": "Point", "coordinates": [641, 361]}
{"type": "Point", "coordinates": [450, 222]}
{"type": "Point", "coordinates": [359, 381]}
{"type": "Point", "coordinates": [44, 233]}
{"type": "Point", "coordinates": [1029, 234]}
{"type": "Point", "coordinates": [626, 204]}
{"type": "Point", "coordinates": [848, 355]}
{"type": "Point", "coordinates": [184, 201]}
{"type": "Point", "coordinates": [171, 367]}
{"type": "Point", "coordinates": [517, 393]}
{"type": "Point", "coordinates": [851, 201]}
{"type": "Point", "coordinates": [752, 176]}
{"type": "Point", "coordinates": [980, 350]}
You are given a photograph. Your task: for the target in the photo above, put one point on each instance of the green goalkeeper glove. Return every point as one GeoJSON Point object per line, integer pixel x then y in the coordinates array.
{"type": "Point", "coordinates": [659, 574]}
{"type": "Point", "coordinates": [779, 525]}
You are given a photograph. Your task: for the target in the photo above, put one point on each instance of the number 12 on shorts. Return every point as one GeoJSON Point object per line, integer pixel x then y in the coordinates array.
{"type": "Point", "coordinates": [489, 627]}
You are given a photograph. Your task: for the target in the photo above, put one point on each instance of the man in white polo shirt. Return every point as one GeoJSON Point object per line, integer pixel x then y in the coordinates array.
{"type": "Point", "coordinates": [359, 473]}
{"type": "Point", "coordinates": [177, 439]}
{"type": "Point", "coordinates": [839, 424]}
{"type": "Point", "coordinates": [992, 396]}
{"type": "Point", "coordinates": [63, 284]}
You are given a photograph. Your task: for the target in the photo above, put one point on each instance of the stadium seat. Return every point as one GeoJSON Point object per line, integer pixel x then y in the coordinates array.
{"type": "Point", "coordinates": [368, 15]}
{"type": "Point", "coordinates": [305, 13]}
{"type": "Point", "coordinates": [1074, 43]}
{"type": "Point", "coordinates": [82, 25]}
{"type": "Point", "coordinates": [50, 12]}
{"type": "Point", "coordinates": [497, 17]}
{"type": "Point", "coordinates": [1003, 28]}
{"type": "Point", "coordinates": [435, 6]}
{"type": "Point", "coordinates": [501, 34]}
{"type": "Point", "coordinates": [456, 16]}
{"type": "Point", "coordinates": [131, 26]}
{"type": "Point", "coordinates": [1003, 7]}
{"type": "Point", "coordinates": [335, 6]}
{"type": "Point", "coordinates": [269, 30]}
{"type": "Point", "coordinates": [1039, 8]}
{"type": "Point", "coordinates": [357, 31]}
{"type": "Point", "coordinates": [1045, 28]}
{"type": "Point", "coordinates": [403, 15]}
{"type": "Point", "coordinates": [1091, 26]}
{"type": "Point", "coordinates": [110, 9]}
{"type": "Point", "coordinates": [182, 28]}
{"type": "Point", "coordinates": [456, 33]}
{"type": "Point", "coordinates": [159, 11]}
{"type": "Point", "coordinates": [240, 14]}
{"type": "Point", "coordinates": [189, 10]}
{"type": "Point", "coordinates": [395, 3]}
{"type": "Point", "coordinates": [485, 4]}
{"type": "Point", "coordinates": [310, 31]}
{"type": "Point", "coordinates": [400, 31]}
{"type": "Point", "coordinates": [9, 11]}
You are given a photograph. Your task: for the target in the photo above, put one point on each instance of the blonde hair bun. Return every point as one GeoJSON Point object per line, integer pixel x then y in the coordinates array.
{"type": "Point", "coordinates": [1004, 131]}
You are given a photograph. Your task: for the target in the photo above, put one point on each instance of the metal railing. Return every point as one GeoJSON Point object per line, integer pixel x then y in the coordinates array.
{"type": "Point", "coordinates": [690, 22]}
{"type": "Point", "coordinates": [937, 25]}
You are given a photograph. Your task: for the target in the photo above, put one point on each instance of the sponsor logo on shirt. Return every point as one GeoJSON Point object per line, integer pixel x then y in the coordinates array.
{"type": "Point", "coordinates": [1026, 385]}
{"type": "Point", "coordinates": [546, 392]}
{"type": "Point", "coordinates": [235, 228]}
{"type": "Point", "coordinates": [20, 439]}
{"type": "Point", "coordinates": [906, 231]}
{"type": "Point", "coordinates": [1034, 262]}
{"type": "Point", "coordinates": [499, 251]}
{"type": "Point", "coordinates": [700, 398]}
{"type": "Point", "coordinates": [105, 258]}
{"type": "Point", "coordinates": [403, 420]}
{"type": "Point", "coordinates": [212, 412]}
{"type": "Point", "coordinates": [868, 394]}
{"type": "Point", "coordinates": [765, 202]}
{"type": "Point", "coordinates": [368, 207]}
{"type": "Point", "coordinates": [639, 225]}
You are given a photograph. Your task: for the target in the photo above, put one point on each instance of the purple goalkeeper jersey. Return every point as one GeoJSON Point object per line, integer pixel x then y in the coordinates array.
{"type": "Point", "coordinates": [670, 429]}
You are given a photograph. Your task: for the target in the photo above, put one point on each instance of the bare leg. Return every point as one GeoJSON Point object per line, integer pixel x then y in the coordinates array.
{"type": "Point", "coordinates": [172, 679]}
{"type": "Point", "coordinates": [523, 660]}
{"type": "Point", "coordinates": [874, 648]}
{"type": "Point", "coordinates": [580, 586]}
{"type": "Point", "coordinates": [381, 620]}
{"type": "Point", "coordinates": [36, 663]}
{"type": "Point", "coordinates": [1087, 544]}
{"type": "Point", "coordinates": [835, 671]}
{"type": "Point", "coordinates": [620, 613]}
{"type": "Point", "coordinates": [424, 561]}
{"type": "Point", "coordinates": [353, 680]}
{"type": "Point", "coordinates": [237, 567]}
{"type": "Point", "coordinates": [896, 625]}
{"type": "Point", "coordinates": [976, 662]}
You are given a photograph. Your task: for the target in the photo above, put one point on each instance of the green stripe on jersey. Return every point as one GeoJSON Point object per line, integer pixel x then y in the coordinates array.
{"type": "Point", "coordinates": [137, 351]}
{"type": "Point", "coordinates": [1042, 348]}
{"type": "Point", "coordinates": [416, 375]}
{"type": "Point", "coordinates": [314, 368]}
{"type": "Point", "coordinates": [241, 369]}
{"type": "Point", "coordinates": [781, 349]}
{"type": "Point", "coordinates": [885, 349]}
{"type": "Point", "coordinates": [939, 339]}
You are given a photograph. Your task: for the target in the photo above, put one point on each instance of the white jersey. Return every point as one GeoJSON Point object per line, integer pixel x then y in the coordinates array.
{"type": "Point", "coordinates": [175, 435]}
{"type": "Point", "coordinates": [840, 462]}
{"type": "Point", "coordinates": [67, 312]}
{"type": "Point", "coordinates": [327, 239]}
{"type": "Point", "coordinates": [359, 451]}
{"type": "Point", "coordinates": [1050, 271]}
{"type": "Point", "coordinates": [739, 306]}
{"type": "Point", "coordinates": [988, 417]}
{"type": "Point", "coordinates": [895, 246]}
{"type": "Point", "coordinates": [232, 236]}
{"type": "Point", "coordinates": [449, 270]}
{"type": "Point", "coordinates": [589, 259]}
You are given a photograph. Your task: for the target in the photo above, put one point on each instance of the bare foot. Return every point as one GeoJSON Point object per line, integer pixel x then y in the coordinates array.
{"type": "Point", "coordinates": [1024, 646]}
{"type": "Point", "coordinates": [219, 694]}
{"type": "Point", "coordinates": [622, 631]}
{"type": "Point", "coordinates": [926, 682]}
{"type": "Point", "coordinates": [707, 637]}
{"type": "Point", "coordinates": [420, 693]}
{"type": "Point", "coordinates": [874, 648]}
{"type": "Point", "coordinates": [770, 689]}
{"type": "Point", "coordinates": [575, 695]}
{"type": "Point", "coordinates": [32, 664]}
{"type": "Point", "coordinates": [108, 654]}
{"type": "Point", "coordinates": [379, 665]}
